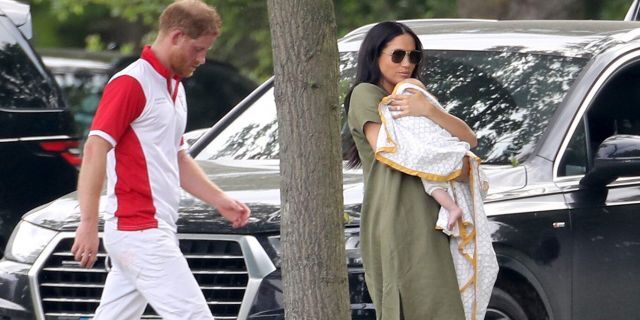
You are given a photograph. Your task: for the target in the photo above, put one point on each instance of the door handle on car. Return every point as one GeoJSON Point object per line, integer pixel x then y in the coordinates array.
{"type": "Point", "coordinates": [558, 225]}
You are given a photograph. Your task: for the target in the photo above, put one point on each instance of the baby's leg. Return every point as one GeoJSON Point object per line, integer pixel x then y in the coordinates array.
{"type": "Point", "coordinates": [445, 200]}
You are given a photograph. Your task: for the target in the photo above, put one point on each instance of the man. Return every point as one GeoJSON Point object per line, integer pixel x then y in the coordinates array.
{"type": "Point", "coordinates": [136, 138]}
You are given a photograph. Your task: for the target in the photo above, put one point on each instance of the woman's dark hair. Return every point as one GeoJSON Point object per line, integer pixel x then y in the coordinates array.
{"type": "Point", "coordinates": [368, 70]}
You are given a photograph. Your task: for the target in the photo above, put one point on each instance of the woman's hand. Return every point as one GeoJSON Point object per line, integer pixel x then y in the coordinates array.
{"type": "Point", "coordinates": [414, 104]}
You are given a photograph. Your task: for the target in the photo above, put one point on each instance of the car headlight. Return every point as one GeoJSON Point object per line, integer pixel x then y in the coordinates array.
{"type": "Point", "coordinates": [27, 242]}
{"type": "Point", "coordinates": [351, 242]}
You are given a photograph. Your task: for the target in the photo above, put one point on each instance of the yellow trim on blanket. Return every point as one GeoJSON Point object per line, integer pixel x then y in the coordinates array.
{"type": "Point", "coordinates": [467, 238]}
{"type": "Point", "coordinates": [424, 175]}
{"type": "Point", "coordinates": [472, 182]}
{"type": "Point", "coordinates": [393, 148]}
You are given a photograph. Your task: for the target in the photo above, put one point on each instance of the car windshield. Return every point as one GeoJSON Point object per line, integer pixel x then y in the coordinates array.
{"type": "Point", "coordinates": [22, 84]}
{"type": "Point", "coordinates": [506, 97]}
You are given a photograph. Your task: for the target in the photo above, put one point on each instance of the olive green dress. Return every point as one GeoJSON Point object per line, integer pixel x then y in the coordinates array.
{"type": "Point", "coordinates": [408, 265]}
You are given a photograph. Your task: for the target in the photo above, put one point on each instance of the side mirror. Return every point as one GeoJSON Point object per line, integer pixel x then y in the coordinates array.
{"type": "Point", "coordinates": [617, 156]}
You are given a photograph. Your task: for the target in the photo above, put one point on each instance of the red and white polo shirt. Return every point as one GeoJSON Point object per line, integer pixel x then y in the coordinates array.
{"type": "Point", "coordinates": [143, 114]}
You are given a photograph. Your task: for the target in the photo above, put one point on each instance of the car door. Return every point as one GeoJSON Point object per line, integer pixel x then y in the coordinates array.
{"type": "Point", "coordinates": [605, 220]}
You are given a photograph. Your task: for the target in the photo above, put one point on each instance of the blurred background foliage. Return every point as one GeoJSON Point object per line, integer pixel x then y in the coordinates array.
{"type": "Point", "coordinates": [123, 26]}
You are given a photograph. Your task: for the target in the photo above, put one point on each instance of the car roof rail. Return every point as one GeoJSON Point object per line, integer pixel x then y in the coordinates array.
{"type": "Point", "coordinates": [633, 12]}
{"type": "Point", "coordinates": [414, 23]}
{"type": "Point", "coordinates": [19, 14]}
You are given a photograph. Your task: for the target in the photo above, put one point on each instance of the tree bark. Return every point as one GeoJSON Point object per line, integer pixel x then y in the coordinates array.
{"type": "Point", "coordinates": [305, 55]}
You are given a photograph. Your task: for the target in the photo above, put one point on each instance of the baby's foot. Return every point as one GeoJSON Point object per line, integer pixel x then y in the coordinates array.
{"type": "Point", "coordinates": [454, 215]}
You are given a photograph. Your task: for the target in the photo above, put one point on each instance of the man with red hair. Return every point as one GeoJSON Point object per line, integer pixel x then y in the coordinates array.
{"type": "Point", "coordinates": [136, 138]}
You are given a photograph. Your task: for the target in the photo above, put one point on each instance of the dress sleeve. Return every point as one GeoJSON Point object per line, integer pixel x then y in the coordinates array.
{"type": "Point", "coordinates": [122, 102]}
{"type": "Point", "coordinates": [363, 106]}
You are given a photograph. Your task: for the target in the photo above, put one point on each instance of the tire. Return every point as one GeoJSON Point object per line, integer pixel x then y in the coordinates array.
{"type": "Point", "coordinates": [503, 306]}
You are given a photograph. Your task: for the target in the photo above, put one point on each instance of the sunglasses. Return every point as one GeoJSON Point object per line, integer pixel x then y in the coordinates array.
{"type": "Point", "coordinates": [397, 56]}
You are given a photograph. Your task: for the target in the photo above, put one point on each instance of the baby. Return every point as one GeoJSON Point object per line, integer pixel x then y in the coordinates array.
{"type": "Point", "coordinates": [420, 147]}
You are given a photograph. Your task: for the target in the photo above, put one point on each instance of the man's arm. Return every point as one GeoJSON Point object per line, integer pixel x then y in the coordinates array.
{"type": "Point", "coordinates": [195, 181]}
{"type": "Point", "coordinates": [92, 174]}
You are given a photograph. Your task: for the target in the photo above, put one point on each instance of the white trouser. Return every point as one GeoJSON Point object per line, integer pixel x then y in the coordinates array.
{"type": "Point", "coordinates": [148, 266]}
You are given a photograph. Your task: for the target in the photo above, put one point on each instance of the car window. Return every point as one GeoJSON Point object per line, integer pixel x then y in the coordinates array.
{"type": "Point", "coordinates": [254, 134]}
{"type": "Point", "coordinates": [82, 88]}
{"type": "Point", "coordinates": [22, 84]}
{"type": "Point", "coordinates": [507, 98]}
{"type": "Point", "coordinates": [576, 156]}
{"type": "Point", "coordinates": [614, 111]}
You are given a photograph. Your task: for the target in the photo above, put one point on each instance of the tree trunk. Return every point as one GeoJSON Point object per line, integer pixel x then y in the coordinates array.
{"type": "Point", "coordinates": [521, 9]}
{"type": "Point", "coordinates": [305, 55]}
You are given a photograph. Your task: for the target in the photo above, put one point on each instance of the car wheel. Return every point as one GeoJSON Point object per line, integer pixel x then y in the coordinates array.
{"type": "Point", "coordinates": [503, 306]}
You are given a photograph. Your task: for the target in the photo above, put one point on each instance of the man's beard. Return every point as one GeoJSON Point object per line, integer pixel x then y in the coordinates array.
{"type": "Point", "coordinates": [180, 66]}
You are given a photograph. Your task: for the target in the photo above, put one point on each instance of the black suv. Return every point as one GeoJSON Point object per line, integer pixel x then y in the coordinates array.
{"type": "Point", "coordinates": [556, 107]}
{"type": "Point", "coordinates": [38, 146]}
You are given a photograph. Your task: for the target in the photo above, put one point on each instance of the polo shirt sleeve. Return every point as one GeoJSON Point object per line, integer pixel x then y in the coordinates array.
{"type": "Point", "coordinates": [122, 102]}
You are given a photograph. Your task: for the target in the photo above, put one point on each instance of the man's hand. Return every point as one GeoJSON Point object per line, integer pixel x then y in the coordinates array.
{"type": "Point", "coordinates": [196, 182]}
{"type": "Point", "coordinates": [85, 246]}
{"type": "Point", "coordinates": [236, 212]}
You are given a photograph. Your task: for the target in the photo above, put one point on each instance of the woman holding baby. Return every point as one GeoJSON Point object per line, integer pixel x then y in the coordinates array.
{"type": "Point", "coordinates": [408, 265]}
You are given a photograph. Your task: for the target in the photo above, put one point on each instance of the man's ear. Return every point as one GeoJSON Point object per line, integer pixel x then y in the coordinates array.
{"type": "Point", "coordinates": [175, 36]}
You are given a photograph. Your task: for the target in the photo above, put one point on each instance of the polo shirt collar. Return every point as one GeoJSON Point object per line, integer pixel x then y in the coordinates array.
{"type": "Point", "coordinates": [148, 55]}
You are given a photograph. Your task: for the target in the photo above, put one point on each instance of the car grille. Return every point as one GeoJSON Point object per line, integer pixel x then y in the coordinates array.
{"type": "Point", "coordinates": [68, 291]}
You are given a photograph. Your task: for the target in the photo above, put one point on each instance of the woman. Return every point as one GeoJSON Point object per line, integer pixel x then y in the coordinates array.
{"type": "Point", "coordinates": [408, 265]}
